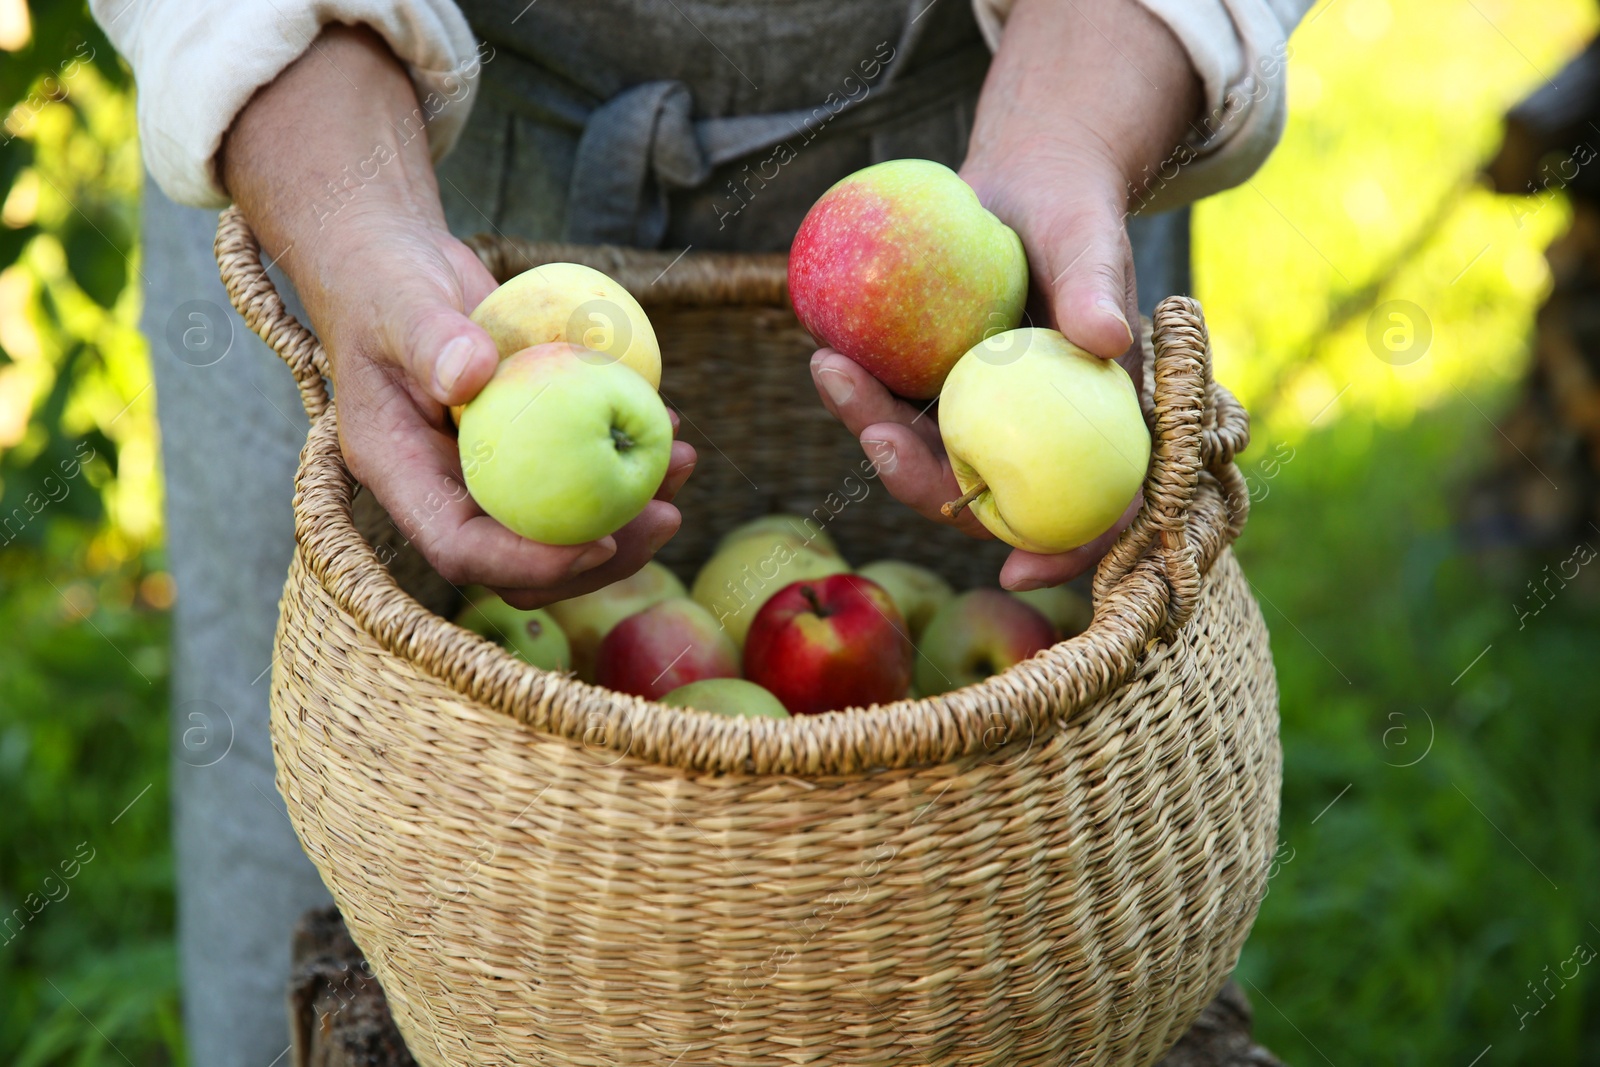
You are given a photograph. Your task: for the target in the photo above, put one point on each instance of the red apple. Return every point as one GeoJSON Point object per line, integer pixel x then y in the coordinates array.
{"type": "Point", "coordinates": [665, 646]}
{"type": "Point", "coordinates": [900, 268]}
{"type": "Point", "coordinates": [975, 635]}
{"type": "Point", "coordinates": [834, 642]}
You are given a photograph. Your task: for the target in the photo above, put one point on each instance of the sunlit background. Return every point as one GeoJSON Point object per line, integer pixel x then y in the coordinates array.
{"type": "Point", "coordinates": [1440, 856]}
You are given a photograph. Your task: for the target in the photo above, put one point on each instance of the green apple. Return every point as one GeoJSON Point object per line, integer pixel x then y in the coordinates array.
{"type": "Point", "coordinates": [588, 618]}
{"type": "Point", "coordinates": [900, 267]}
{"type": "Point", "coordinates": [534, 636]}
{"type": "Point", "coordinates": [744, 572]}
{"type": "Point", "coordinates": [734, 697]}
{"type": "Point", "coordinates": [1046, 441]}
{"type": "Point", "coordinates": [562, 450]}
{"type": "Point", "coordinates": [1068, 611]}
{"type": "Point", "coordinates": [808, 531]}
{"type": "Point", "coordinates": [916, 591]}
{"type": "Point", "coordinates": [573, 303]}
{"type": "Point", "coordinates": [977, 634]}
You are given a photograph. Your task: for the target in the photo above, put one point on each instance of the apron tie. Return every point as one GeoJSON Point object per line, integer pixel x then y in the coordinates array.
{"type": "Point", "coordinates": [644, 143]}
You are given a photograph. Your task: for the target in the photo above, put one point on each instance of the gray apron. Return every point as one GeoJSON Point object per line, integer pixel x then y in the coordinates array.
{"type": "Point", "coordinates": [603, 121]}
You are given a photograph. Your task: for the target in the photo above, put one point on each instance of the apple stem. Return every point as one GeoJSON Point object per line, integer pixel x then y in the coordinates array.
{"type": "Point", "coordinates": [953, 508]}
{"type": "Point", "coordinates": [814, 601]}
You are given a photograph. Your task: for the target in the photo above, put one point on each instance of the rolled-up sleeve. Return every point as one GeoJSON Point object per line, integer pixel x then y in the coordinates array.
{"type": "Point", "coordinates": [1239, 50]}
{"type": "Point", "coordinates": [198, 63]}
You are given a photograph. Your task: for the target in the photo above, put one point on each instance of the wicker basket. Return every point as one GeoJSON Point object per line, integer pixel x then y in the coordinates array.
{"type": "Point", "coordinates": [1056, 866]}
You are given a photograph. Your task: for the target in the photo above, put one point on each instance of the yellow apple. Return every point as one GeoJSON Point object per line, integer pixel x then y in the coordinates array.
{"type": "Point", "coordinates": [745, 571]}
{"type": "Point", "coordinates": [573, 303]}
{"type": "Point", "coordinates": [1045, 439]}
{"type": "Point", "coordinates": [806, 530]}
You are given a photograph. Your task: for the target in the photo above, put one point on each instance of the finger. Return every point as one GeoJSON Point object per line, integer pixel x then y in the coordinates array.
{"type": "Point", "coordinates": [637, 543]}
{"type": "Point", "coordinates": [1030, 570]}
{"type": "Point", "coordinates": [858, 400]}
{"type": "Point", "coordinates": [915, 475]}
{"type": "Point", "coordinates": [679, 467]}
{"type": "Point", "coordinates": [1084, 265]}
{"type": "Point", "coordinates": [447, 355]}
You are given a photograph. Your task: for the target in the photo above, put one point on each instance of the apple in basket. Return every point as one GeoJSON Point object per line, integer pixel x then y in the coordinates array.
{"type": "Point", "coordinates": [574, 303]}
{"type": "Point", "coordinates": [663, 647]}
{"type": "Point", "coordinates": [916, 591]}
{"type": "Point", "coordinates": [562, 449]}
{"type": "Point", "coordinates": [588, 618]}
{"type": "Point", "coordinates": [976, 634]}
{"type": "Point", "coordinates": [756, 560]}
{"type": "Point", "coordinates": [534, 636]}
{"type": "Point", "coordinates": [829, 643]}
{"type": "Point", "coordinates": [807, 531]}
{"type": "Point", "coordinates": [733, 697]}
{"type": "Point", "coordinates": [1068, 610]}
{"type": "Point", "coordinates": [899, 267]}
{"type": "Point", "coordinates": [1046, 441]}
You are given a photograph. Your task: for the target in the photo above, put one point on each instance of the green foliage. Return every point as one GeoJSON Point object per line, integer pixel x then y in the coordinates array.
{"type": "Point", "coordinates": [88, 974]}
{"type": "Point", "coordinates": [86, 907]}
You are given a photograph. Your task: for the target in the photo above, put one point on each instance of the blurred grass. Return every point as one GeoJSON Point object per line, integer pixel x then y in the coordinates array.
{"type": "Point", "coordinates": [1414, 906]}
{"type": "Point", "coordinates": [1460, 857]}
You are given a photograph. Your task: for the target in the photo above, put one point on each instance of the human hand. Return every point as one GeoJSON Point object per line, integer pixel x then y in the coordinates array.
{"type": "Point", "coordinates": [1082, 101]}
{"type": "Point", "coordinates": [387, 289]}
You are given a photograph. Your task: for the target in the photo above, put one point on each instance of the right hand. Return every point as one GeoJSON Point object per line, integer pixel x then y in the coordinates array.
{"type": "Point", "coordinates": [387, 289]}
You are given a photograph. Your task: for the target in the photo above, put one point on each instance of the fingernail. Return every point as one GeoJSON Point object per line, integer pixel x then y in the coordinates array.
{"type": "Point", "coordinates": [836, 384]}
{"type": "Point", "coordinates": [1025, 585]}
{"type": "Point", "coordinates": [451, 362]}
{"type": "Point", "coordinates": [1116, 312]}
{"type": "Point", "coordinates": [882, 455]}
{"type": "Point", "coordinates": [593, 556]}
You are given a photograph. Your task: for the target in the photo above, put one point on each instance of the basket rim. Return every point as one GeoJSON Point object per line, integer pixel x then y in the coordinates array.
{"type": "Point", "coordinates": [1146, 586]}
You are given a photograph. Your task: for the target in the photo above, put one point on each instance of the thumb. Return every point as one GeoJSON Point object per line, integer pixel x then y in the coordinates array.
{"type": "Point", "coordinates": [446, 354]}
{"type": "Point", "coordinates": [1087, 276]}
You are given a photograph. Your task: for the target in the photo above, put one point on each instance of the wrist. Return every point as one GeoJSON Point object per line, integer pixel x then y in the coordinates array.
{"type": "Point", "coordinates": [312, 156]}
{"type": "Point", "coordinates": [1067, 174]}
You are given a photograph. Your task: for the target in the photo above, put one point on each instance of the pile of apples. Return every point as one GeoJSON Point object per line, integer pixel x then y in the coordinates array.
{"type": "Point", "coordinates": [901, 269]}
{"type": "Point", "coordinates": [778, 623]}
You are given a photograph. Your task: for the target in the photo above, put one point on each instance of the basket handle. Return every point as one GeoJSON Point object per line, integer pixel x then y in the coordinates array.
{"type": "Point", "coordinates": [1197, 425]}
{"type": "Point", "coordinates": [257, 301]}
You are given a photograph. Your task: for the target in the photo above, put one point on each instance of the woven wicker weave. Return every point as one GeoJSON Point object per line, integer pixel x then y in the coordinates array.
{"type": "Point", "coordinates": [1057, 866]}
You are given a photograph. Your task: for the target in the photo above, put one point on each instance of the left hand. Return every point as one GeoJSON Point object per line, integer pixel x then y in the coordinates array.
{"type": "Point", "coordinates": [1084, 100]}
